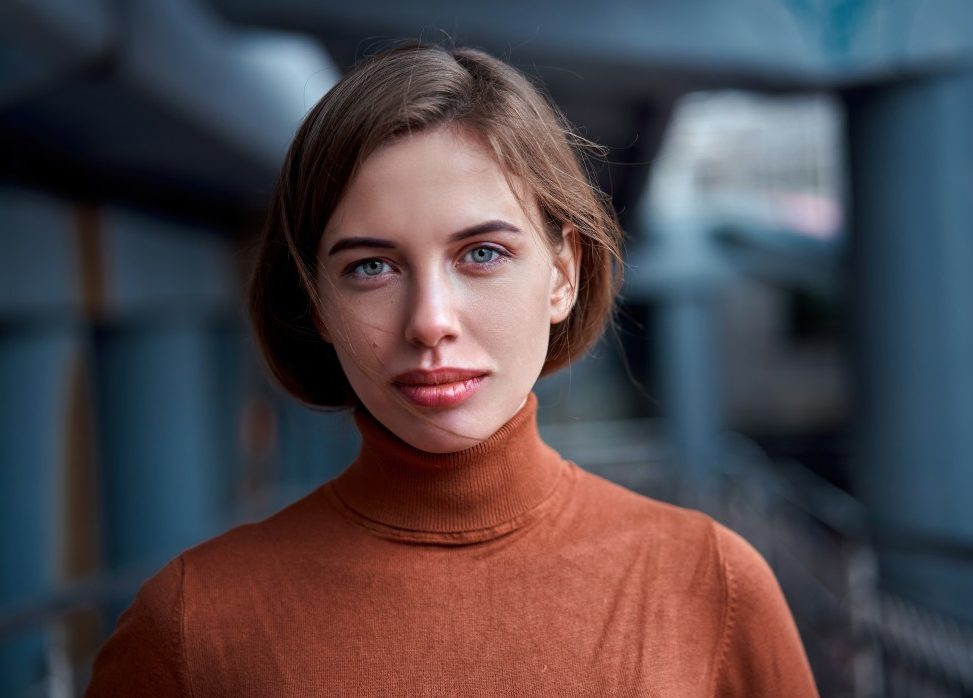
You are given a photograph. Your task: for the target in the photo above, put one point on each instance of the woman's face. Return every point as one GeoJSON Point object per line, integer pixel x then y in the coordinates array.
{"type": "Point", "coordinates": [439, 290]}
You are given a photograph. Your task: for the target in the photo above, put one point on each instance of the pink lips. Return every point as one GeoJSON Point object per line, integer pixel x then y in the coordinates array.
{"type": "Point", "coordinates": [442, 387]}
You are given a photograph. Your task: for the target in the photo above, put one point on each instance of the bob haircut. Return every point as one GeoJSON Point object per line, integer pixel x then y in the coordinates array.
{"type": "Point", "coordinates": [408, 89]}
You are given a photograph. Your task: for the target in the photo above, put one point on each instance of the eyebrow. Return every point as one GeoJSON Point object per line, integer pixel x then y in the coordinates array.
{"type": "Point", "coordinates": [471, 231]}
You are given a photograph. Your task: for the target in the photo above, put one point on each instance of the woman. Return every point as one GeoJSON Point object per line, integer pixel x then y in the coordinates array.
{"type": "Point", "coordinates": [433, 248]}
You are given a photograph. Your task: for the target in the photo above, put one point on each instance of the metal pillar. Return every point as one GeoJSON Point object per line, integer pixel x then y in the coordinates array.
{"type": "Point", "coordinates": [690, 381]}
{"type": "Point", "coordinates": [683, 274]}
{"type": "Point", "coordinates": [162, 357]}
{"type": "Point", "coordinates": [40, 338]}
{"type": "Point", "coordinates": [33, 379]}
{"type": "Point", "coordinates": [911, 151]}
{"type": "Point", "coordinates": [159, 438]}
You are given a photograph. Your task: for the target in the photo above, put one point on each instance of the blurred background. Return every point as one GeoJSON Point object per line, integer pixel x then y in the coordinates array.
{"type": "Point", "coordinates": [794, 351]}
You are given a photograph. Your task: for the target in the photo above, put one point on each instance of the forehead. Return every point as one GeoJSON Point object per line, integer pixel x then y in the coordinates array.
{"type": "Point", "coordinates": [440, 179]}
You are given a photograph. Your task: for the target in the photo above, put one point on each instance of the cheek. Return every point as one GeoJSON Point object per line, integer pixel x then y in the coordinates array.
{"type": "Point", "coordinates": [361, 325]}
{"type": "Point", "coordinates": [512, 314]}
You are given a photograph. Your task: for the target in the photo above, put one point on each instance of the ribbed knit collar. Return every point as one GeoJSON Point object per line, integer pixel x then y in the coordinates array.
{"type": "Point", "coordinates": [496, 486]}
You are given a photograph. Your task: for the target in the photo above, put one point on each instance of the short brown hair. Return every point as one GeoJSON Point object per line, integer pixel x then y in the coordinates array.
{"type": "Point", "coordinates": [408, 89]}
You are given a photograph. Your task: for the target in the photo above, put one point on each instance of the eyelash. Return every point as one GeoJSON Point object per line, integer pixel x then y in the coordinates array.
{"type": "Point", "coordinates": [501, 257]}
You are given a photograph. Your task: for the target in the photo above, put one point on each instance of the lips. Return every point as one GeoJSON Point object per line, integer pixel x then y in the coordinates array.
{"type": "Point", "coordinates": [436, 376]}
{"type": "Point", "coordinates": [443, 387]}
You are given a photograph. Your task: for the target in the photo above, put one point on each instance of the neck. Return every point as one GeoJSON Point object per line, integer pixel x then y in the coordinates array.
{"type": "Point", "coordinates": [489, 487]}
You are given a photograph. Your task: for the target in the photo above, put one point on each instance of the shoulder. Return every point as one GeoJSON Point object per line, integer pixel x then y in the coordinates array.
{"type": "Point", "coordinates": [675, 547]}
{"type": "Point", "coordinates": [760, 650]}
{"type": "Point", "coordinates": [203, 591]}
{"type": "Point", "coordinates": [146, 651]}
{"type": "Point", "coordinates": [230, 572]}
{"type": "Point", "coordinates": [750, 583]}
{"type": "Point", "coordinates": [236, 568]}
{"type": "Point", "coordinates": [283, 533]}
{"type": "Point", "coordinates": [619, 511]}
{"type": "Point", "coordinates": [713, 575]}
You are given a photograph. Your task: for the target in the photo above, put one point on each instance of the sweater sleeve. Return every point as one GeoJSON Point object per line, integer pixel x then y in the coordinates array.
{"type": "Point", "coordinates": [760, 651]}
{"type": "Point", "coordinates": [145, 654]}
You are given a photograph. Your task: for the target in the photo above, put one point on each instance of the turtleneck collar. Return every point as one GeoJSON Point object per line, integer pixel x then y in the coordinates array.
{"type": "Point", "coordinates": [496, 486]}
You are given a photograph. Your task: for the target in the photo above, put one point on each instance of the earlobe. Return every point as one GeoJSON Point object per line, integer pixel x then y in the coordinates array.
{"type": "Point", "coordinates": [567, 264]}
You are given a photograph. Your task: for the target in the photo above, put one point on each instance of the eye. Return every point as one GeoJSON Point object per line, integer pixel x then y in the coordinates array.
{"type": "Point", "coordinates": [370, 267]}
{"type": "Point", "coordinates": [483, 255]}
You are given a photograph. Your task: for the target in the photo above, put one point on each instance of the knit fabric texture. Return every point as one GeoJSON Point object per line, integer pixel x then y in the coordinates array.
{"type": "Point", "coordinates": [502, 570]}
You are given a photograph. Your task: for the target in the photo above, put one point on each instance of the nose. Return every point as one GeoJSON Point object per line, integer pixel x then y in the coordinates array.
{"type": "Point", "coordinates": [432, 313]}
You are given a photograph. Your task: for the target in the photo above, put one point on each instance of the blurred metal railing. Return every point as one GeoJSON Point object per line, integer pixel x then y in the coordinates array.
{"type": "Point", "coordinates": [863, 640]}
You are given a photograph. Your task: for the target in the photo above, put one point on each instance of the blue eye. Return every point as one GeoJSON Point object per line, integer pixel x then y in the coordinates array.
{"type": "Point", "coordinates": [370, 267]}
{"type": "Point", "coordinates": [483, 255]}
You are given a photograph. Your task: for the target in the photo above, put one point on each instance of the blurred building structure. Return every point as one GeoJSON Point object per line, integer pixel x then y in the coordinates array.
{"type": "Point", "coordinates": [779, 165]}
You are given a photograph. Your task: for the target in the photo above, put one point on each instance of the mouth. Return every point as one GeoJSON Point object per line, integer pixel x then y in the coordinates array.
{"type": "Point", "coordinates": [444, 387]}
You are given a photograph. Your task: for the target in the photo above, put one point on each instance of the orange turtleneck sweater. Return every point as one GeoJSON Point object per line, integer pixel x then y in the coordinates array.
{"type": "Point", "coordinates": [501, 570]}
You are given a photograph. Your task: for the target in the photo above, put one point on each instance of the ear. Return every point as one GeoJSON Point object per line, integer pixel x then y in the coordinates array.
{"type": "Point", "coordinates": [564, 281]}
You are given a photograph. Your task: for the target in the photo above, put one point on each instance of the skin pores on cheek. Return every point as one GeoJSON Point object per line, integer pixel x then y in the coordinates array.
{"type": "Point", "coordinates": [403, 293]}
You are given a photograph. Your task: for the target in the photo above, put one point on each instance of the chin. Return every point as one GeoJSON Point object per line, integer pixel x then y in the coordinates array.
{"type": "Point", "coordinates": [442, 446]}
{"type": "Point", "coordinates": [447, 429]}
{"type": "Point", "coordinates": [438, 435]}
